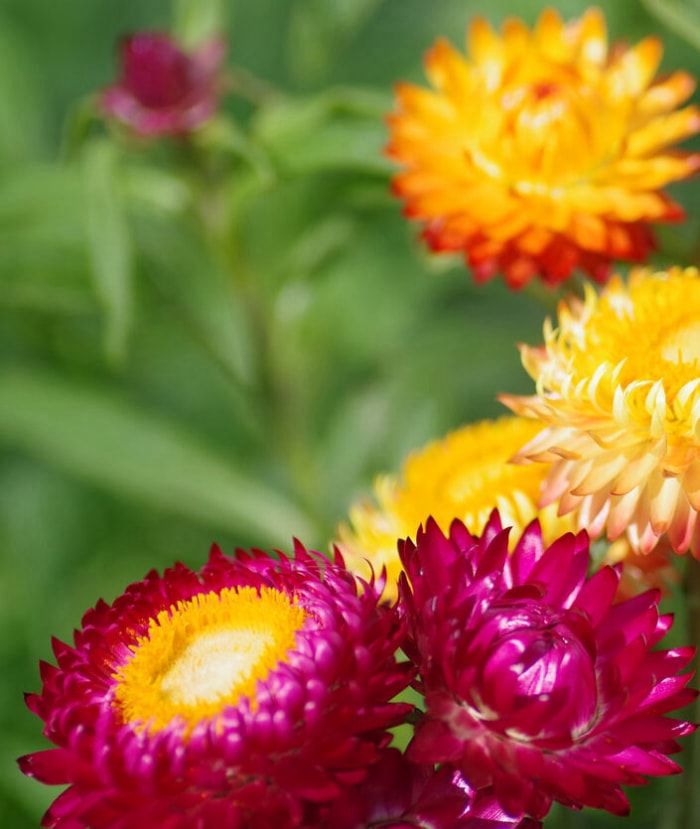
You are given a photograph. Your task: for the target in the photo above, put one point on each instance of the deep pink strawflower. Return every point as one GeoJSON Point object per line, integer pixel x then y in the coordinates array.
{"type": "Point", "coordinates": [535, 683]}
{"type": "Point", "coordinates": [398, 794]}
{"type": "Point", "coordinates": [243, 695]}
{"type": "Point", "coordinates": [162, 89]}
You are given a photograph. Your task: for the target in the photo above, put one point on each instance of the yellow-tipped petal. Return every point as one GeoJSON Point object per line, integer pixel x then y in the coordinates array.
{"type": "Point", "coordinates": [565, 133]}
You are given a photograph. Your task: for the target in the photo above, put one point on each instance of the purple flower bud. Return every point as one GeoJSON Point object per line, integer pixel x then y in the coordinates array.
{"type": "Point", "coordinates": [162, 89]}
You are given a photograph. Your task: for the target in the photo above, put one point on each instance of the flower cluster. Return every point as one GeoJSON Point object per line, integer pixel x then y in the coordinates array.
{"type": "Point", "coordinates": [465, 604]}
{"type": "Point", "coordinates": [259, 692]}
{"type": "Point", "coordinates": [465, 475]}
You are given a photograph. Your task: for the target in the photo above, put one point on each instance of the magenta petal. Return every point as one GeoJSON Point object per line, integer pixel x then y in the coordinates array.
{"type": "Point", "coordinates": [536, 684]}
{"type": "Point", "coordinates": [164, 90]}
{"type": "Point", "coordinates": [319, 718]}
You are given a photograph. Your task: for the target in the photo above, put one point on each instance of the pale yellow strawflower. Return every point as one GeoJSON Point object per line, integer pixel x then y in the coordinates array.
{"type": "Point", "coordinates": [618, 395]}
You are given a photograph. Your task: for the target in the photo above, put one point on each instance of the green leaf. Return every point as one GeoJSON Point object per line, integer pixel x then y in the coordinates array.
{"type": "Point", "coordinates": [197, 20]}
{"type": "Point", "coordinates": [22, 119]}
{"type": "Point", "coordinates": [340, 129]}
{"type": "Point", "coordinates": [319, 29]}
{"type": "Point", "coordinates": [138, 453]}
{"type": "Point", "coordinates": [42, 241]}
{"type": "Point", "coordinates": [109, 244]}
{"type": "Point", "coordinates": [680, 16]}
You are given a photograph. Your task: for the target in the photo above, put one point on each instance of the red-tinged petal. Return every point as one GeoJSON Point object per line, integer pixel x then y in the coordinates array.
{"type": "Point", "coordinates": [564, 168]}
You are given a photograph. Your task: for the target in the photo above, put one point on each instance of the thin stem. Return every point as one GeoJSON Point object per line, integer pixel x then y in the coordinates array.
{"type": "Point", "coordinates": [241, 82]}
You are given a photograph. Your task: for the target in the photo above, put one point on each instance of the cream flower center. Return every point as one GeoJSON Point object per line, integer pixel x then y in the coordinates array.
{"type": "Point", "coordinates": [205, 654]}
{"type": "Point", "coordinates": [212, 664]}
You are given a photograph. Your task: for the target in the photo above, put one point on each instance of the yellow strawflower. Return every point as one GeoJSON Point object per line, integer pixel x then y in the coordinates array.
{"type": "Point", "coordinates": [464, 475]}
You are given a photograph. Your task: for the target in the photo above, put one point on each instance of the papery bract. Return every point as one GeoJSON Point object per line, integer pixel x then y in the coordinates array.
{"type": "Point", "coordinates": [243, 695]}
{"type": "Point", "coordinates": [542, 151]}
{"type": "Point", "coordinates": [398, 794]}
{"type": "Point", "coordinates": [618, 398]}
{"type": "Point", "coordinates": [535, 683]}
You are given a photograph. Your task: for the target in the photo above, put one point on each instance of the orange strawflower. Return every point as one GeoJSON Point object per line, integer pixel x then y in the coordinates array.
{"type": "Point", "coordinates": [543, 151]}
{"type": "Point", "coordinates": [618, 395]}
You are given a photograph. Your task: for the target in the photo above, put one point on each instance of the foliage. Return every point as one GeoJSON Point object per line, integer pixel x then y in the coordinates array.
{"type": "Point", "coordinates": [225, 339]}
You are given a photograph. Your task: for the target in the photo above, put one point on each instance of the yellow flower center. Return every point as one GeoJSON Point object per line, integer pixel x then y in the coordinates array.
{"type": "Point", "coordinates": [205, 654]}
{"type": "Point", "coordinates": [653, 326]}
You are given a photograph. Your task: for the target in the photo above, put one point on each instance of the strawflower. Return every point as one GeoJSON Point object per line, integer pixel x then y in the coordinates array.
{"type": "Point", "coordinates": [535, 683]}
{"type": "Point", "coordinates": [398, 794]}
{"type": "Point", "coordinates": [463, 475]}
{"type": "Point", "coordinates": [243, 695]}
{"type": "Point", "coordinates": [618, 396]}
{"type": "Point", "coordinates": [542, 150]}
{"type": "Point", "coordinates": [163, 90]}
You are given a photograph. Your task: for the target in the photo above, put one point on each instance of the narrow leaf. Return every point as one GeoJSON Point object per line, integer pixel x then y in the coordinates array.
{"type": "Point", "coordinates": [138, 453]}
{"type": "Point", "coordinates": [680, 16]}
{"type": "Point", "coordinates": [109, 244]}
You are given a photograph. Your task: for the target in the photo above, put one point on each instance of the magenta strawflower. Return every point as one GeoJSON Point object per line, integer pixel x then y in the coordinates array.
{"type": "Point", "coordinates": [162, 89]}
{"type": "Point", "coordinates": [398, 794]}
{"type": "Point", "coordinates": [243, 695]}
{"type": "Point", "coordinates": [535, 683]}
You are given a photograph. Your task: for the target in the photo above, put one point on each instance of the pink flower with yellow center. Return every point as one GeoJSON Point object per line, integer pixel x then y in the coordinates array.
{"type": "Point", "coordinates": [244, 695]}
{"type": "Point", "coordinates": [543, 150]}
{"type": "Point", "coordinates": [164, 90]}
{"type": "Point", "coordinates": [618, 397]}
{"type": "Point", "coordinates": [535, 683]}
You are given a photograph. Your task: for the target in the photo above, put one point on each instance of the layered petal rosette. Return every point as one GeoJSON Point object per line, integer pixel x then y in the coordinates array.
{"type": "Point", "coordinates": [542, 150]}
{"type": "Point", "coordinates": [163, 90]}
{"type": "Point", "coordinates": [535, 683]}
{"type": "Point", "coordinates": [398, 794]}
{"type": "Point", "coordinates": [242, 695]}
{"type": "Point", "coordinates": [618, 397]}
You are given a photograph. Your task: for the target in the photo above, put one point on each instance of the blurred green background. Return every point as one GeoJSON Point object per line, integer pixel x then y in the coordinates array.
{"type": "Point", "coordinates": [160, 391]}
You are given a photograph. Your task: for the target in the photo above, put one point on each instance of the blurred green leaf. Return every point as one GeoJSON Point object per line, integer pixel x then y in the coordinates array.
{"type": "Point", "coordinates": [158, 191]}
{"type": "Point", "coordinates": [195, 21]}
{"type": "Point", "coordinates": [199, 294]}
{"type": "Point", "coordinates": [223, 135]}
{"type": "Point", "coordinates": [681, 17]}
{"type": "Point", "coordinates": [339, 129]}
{"type": "Point", "coordinates": [109, 243]}
{"type": "Point", "coordinates": [42, 241]}
{"type": "Point", "coordinates": [20, 113]}
{"type": "Point", "coordinates": [318, 30]}
{"type": "Point", "coordinates": [138, 453]}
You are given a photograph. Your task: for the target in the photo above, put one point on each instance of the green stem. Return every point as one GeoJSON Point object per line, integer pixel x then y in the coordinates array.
{"type": "Point", "coordinates": [246, 85]}
{"type": "Point", "coordinates": [277, 394]}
